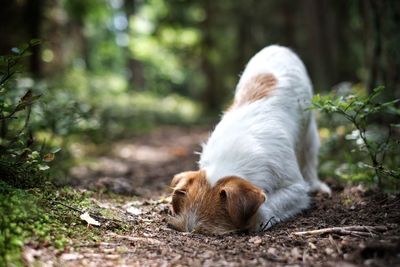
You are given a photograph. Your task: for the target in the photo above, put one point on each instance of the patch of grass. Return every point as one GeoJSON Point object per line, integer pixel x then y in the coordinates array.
{"type": "Point", "coordinates": [36, 217]}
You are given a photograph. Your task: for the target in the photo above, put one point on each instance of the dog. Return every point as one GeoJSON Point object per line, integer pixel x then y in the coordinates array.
{"type": "Point", "coordinates": [260, 162]}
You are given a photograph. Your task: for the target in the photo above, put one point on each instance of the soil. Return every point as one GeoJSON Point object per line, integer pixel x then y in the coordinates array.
{"type": "Point", "coordinates": [143, 167]}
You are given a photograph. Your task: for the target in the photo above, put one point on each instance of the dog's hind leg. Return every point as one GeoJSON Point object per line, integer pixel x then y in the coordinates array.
{"type": "Point", "coordinates": [309, 158]}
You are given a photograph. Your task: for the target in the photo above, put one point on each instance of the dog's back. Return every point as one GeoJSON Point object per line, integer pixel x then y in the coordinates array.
{"type": "Point", "coordinates": [291, 86]}
{"type": "Point", "coordinates": [261, 135]}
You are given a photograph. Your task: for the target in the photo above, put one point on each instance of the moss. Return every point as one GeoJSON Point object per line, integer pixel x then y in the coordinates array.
{"type": "Point", "coordinates": [44, 216]}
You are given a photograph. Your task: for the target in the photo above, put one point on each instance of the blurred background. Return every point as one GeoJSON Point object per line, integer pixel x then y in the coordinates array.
{"type": "Point", "coordinates": [102, 102]}
{"type": "Point", "coordinates": [197, 49]}
{"type": "Point", "coordinates": [112, 69]}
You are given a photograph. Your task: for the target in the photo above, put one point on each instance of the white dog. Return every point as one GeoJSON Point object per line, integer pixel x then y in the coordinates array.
{"type": "Point", "coordinates": [260, 162]}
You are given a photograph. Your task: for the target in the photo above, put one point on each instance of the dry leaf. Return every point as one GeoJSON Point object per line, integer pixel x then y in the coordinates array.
{"type": "Point", "coordinates": [311, 245]}
{"type": "Point", "coordinates": [87, 218]}
{"type": "Point", "coordinates": [134, 211]}
{"type": "Point", "coordinates": [27, 97]}
{"type": "Point", "coordinates": [48, 157]}
{"type": "Point", "coordinates": [70, 256]}
{"type": "Point", "coordinates": [255, 240]}
{"type": "Point", "coordinates": [295, 252]}
{"type": "Point", "coordinates": [273, 251]}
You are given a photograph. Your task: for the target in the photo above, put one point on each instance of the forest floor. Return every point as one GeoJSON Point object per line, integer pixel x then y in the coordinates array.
{"type": "Point", "coordinates": [142, 168]}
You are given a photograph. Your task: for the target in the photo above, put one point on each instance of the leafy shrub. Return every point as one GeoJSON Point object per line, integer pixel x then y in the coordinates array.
{"type": "Point", "coordinates": [21, 162]}
{"type": "Point", "coordinates": [373, 132]}
{"type": "Point", "coordinates": [107, 109]}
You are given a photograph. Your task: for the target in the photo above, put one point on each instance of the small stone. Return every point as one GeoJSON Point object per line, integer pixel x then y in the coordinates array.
{"type": "Point", "coordinates": [70, 256]}
{"type": "Point", "coordinates": [207, 254]}
{"type": "Point", "coordinates": [273, 251]}
{"type": "Point", "coordinates": [311, 245]}
{"type": "Point", "coordinates": [329, 251]}
{"type": "Point", "coordinates": [134, 211]}
{"type": "Point", "coordinates": [255, 240]}
{"type": "Point", "coordinates": [295, 252]}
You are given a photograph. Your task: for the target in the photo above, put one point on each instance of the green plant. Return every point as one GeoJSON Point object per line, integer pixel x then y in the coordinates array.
{"type": "Point", "coordinates": [21, 163]}
{"type": "Point", "coordinates": [365, 113]}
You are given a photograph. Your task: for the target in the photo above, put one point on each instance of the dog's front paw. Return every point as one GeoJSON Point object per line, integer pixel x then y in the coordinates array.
{"type": "Point", "coordinates": [268, 223]}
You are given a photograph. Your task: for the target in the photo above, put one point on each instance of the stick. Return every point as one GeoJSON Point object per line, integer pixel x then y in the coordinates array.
{"type": "Point", "coordinates": [356, 230]}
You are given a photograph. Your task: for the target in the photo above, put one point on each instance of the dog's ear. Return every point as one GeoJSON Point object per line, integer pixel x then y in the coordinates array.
{"type": "Point", "coordinates": [241, 199]}
{"type": "Point", "coordinates": [181, 184]}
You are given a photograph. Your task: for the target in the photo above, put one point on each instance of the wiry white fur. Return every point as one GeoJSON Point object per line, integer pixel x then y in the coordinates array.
{"type": "Point", "coordinates": [272, 142]}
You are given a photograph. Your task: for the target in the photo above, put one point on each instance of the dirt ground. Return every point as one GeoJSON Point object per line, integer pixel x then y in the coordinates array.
{"type": "Point", "coordinates": [142, 168]}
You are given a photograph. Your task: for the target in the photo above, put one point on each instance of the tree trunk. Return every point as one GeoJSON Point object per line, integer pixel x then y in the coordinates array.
{"type": "Point", "coordinates": [34, 17]}
{"type": "Point", "coordinates": [377, 45]}
{"type": "Point", "coordinates": [211, 98]}
{"type": "Point", "coordinates": [11, 27]}
{"type": "Point", "coordinates": [134, 67]}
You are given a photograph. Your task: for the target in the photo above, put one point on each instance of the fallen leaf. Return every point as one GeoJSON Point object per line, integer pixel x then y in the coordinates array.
{"type": "Point", "coordinates": [87, 218]}
{"type": "Point", "coordinates": [30, 254]}
{"type": "Point", "coordinates": [208, 254]}
{"type": "Point", "coordinates": [70, 256]}
{"type": "Point", "coordinates": [255, 240]}
{"type": "Point", "coordinates": [295, 252]}
{"type": "Point", "coordinates": [311, 245]}
{"type": "Point", "coordinates": [329, 251]}
{"type": "Point", "coordinates": [273, 251]}
{"type": "Point", "coordinates": [134, 211]}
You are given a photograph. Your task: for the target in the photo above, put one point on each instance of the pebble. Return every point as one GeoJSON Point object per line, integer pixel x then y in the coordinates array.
{"type": "Point", "coordinates": [255, 240]}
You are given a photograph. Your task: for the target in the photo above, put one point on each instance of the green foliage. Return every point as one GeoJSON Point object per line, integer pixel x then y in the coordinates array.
{"type": "Point", "coordinates": [79, 106]}
{"type": "Point", "coordinates": [15, 209]}
{"type": "Point", "coordinates": [82, 105]}
{"type": "Point", "coordinates": [21, 163]}
{"type": "Point", "coordinates": [373, 131]}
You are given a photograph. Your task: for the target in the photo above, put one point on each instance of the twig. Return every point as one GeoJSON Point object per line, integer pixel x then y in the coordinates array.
{"type": "Point", "coordinates": [357, 230]}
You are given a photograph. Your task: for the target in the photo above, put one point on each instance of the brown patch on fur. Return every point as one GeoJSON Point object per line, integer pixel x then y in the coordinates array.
{"type": "Point", "coordinates": [258, 87]}
{"type": "Point", "coordinates": [228, 206]}
{"type": "Point", "coordinates": [185, 185]}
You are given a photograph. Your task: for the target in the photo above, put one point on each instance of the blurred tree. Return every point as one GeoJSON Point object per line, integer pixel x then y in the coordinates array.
{"type": "Point", "coordinates": [134, 67]}
{"type": "Point", "coordinates": [383, 20]}
{"type": "Point", "coordinates": [11, 28]}
{"type": "Point", "coordinates": [198, 48]}
{"type": "Point", "coordinates": [34, 19]}
{"type": "Point", "coordinates": [21, 21]}
{"type": "Point", "coordinates": [211, 96]}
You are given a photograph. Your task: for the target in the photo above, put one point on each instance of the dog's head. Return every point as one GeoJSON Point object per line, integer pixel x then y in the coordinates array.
{"type": "Point", "coordinates": [230, 205]}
